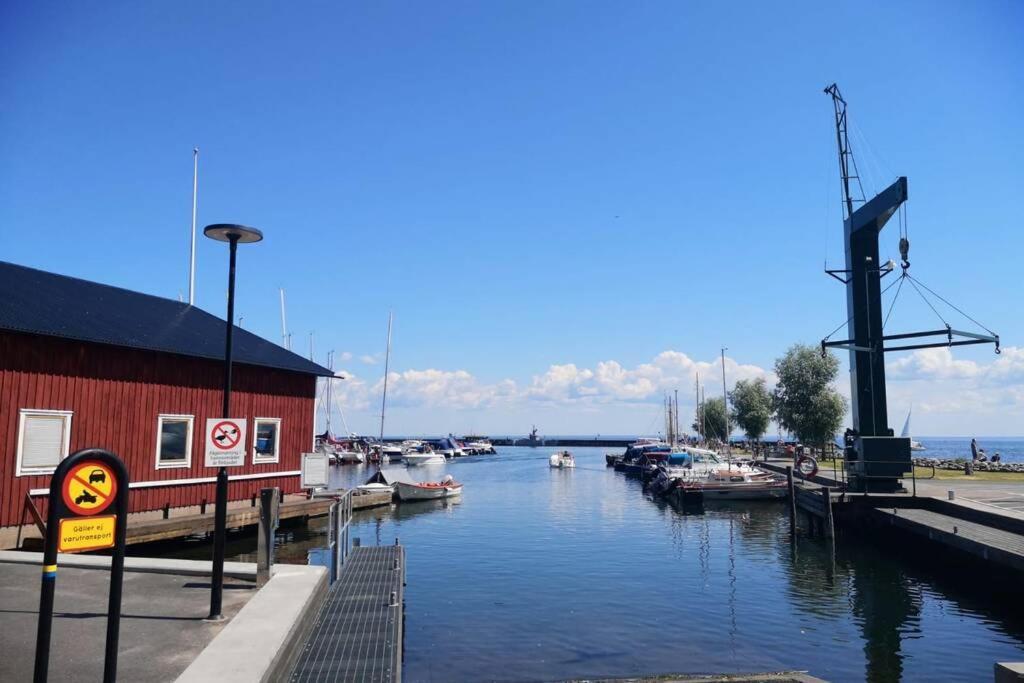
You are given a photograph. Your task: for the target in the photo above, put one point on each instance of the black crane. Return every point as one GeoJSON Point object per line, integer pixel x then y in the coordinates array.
{"type": "Point", "coordinates": [875, 458]}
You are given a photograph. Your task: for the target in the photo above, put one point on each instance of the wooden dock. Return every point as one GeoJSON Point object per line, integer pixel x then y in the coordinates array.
{"type": "Point", "coordinates": [185, 522]}
{"type": "Point", "coordinates": [358, 633]}
{"type": "Point", "coordinates": [994, 545]}
{"type": "Point", "coordinates": [147, 531]}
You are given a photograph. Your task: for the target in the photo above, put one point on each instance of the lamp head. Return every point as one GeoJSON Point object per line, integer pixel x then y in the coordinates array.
{"type": "Point", "coordinates": [226, 232]}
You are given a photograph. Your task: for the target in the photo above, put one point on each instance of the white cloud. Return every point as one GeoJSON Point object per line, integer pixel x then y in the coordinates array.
{"type": "Point", "coordinates": [345, 356]}
{"type": "Point", "coordinates": [367, 359]}
{"type": "Point", "coordinates": [443, 388]}
{"type": "Point", "coordinates": [949, 395]}
{"type": "Point", "coordinates": [958, 396]}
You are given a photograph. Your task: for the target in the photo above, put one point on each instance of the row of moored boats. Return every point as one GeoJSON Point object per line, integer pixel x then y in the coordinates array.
{"type": "Point", "coordinates": [690, 474]}
{"type": "Point", "coordinates": [355, 450]}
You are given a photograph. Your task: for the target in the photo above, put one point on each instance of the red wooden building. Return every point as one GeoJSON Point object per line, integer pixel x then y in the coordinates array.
{"type": "Point", "coordinates": [88, 365]}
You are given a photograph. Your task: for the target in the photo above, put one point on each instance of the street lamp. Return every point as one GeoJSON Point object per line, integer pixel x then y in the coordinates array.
{"type": "Point", "coordinates": [233, 235]}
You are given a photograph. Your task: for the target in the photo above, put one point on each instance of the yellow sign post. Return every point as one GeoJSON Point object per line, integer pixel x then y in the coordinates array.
{"type": "Point", "coordinates": [78, 534]}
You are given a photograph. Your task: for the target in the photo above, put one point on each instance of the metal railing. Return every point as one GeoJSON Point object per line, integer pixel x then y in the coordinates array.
{"type": "Point", "coordinates": [339, 528]}
{"type": "Point", "coordinates": [840, 474]}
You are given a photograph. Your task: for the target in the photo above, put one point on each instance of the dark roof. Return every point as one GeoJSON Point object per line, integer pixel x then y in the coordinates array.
{"type": "Point", "coordinates": [39, 302]}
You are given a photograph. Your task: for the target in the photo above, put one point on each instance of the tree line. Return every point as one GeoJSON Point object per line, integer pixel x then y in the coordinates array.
{"type": "Point", "coordinates": [803, 402]}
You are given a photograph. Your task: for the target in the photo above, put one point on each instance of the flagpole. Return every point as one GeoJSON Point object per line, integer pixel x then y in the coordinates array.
{"type": "Point", "coordinates": [192, 248]}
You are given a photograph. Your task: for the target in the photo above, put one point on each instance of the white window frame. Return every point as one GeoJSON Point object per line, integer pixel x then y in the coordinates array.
{"type": "Point", "coordinates": [65, 446]}
{"type": "Point", "coordinates": [262, 459]}
{"type": "Point", "coordinates": [190, 419]}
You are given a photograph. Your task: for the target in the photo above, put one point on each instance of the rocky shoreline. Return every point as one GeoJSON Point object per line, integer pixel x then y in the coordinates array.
{"type": "Point", "coordinates": [958, 464]}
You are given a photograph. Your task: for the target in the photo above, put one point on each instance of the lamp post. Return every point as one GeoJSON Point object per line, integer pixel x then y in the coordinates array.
{"type": "Point", "coordinates": [233, 235]}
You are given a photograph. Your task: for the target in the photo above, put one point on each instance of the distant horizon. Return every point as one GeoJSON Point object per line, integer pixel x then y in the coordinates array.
{"type": "Point", "coordinates": [652, 435]}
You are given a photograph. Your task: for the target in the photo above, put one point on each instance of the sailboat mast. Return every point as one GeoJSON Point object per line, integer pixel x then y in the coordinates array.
{"type": "Point", "coordinates": [330, 389]}
{"type": "Point", "coordinates": [725, 408]}
{"type": "Point", "coordinates": [384, 396]}
{"type": "Point", "coordinates": [677, 414]}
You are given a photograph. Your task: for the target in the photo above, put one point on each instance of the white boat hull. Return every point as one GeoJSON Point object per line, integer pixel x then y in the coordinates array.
{"type": "Point", "coordinates": [743, 492]}
{"type": "Point", "coordinates": [349, 457]}
{"type": "Point", "coordinates": [561, 461]}
{"type": "Point", "coordinates": [409, 492]}
{"type": "Point", "coordinates": [415, 459]}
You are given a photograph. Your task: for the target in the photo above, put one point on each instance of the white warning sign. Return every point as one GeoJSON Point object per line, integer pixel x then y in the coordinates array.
{"type": "Point", "coordinates": [225, 442]}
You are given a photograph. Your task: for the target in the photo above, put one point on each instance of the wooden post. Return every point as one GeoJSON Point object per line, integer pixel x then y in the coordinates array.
{"type": "Point", "coordinates": [269, 511]}
{"type": "Point", "coordinates": [792, 500]}
{"type": "Point", "coordinates": [829, 524]}
{"type": "Point", "coordinates": [37, 519]}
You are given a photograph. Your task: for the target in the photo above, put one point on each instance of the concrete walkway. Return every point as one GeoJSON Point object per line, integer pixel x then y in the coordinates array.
{"type": "Point", "coordinates": [162, 627]}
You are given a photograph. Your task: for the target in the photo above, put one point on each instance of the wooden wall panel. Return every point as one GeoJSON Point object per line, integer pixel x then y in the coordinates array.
{"type": "Point", "coordinates": [116, 395]}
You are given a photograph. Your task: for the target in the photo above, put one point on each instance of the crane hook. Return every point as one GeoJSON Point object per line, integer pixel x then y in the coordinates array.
{"type": "Point", "coordinates": [905, 252]}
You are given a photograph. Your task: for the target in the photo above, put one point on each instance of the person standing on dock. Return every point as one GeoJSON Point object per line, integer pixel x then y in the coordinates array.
{"type": "Point", "coordinates": [974, 449]}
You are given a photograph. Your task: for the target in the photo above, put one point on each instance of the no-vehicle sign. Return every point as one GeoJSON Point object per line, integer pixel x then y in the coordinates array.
{"type": "Point", "coordinates": [225, 442]}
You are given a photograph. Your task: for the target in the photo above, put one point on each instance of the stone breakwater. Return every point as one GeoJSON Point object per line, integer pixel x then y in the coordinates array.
{"type": "Point", "coordinates": [958, 464]}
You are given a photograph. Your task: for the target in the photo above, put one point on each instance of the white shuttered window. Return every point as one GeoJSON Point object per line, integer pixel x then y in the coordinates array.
{"type": "Point", "coordinates": [43, 439]}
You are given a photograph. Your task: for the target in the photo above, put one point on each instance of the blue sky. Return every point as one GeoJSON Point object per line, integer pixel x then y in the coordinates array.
{"type": "Point", "coordinates": [538, 190]}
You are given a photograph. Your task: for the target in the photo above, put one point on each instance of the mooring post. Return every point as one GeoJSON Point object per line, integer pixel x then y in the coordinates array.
{"type": "Point", "coordinates": [265, 536]}
{"type": "Point", "coordinates": [792, 500]}
{"type": "Point", "coordinates": [167, 510]}
{"type": "Point", "coordinates": [828, 523]}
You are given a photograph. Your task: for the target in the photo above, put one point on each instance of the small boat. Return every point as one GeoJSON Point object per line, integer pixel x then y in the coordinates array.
{"type": "Point", "coordinates": [742, 484]}
{"type": "Point", "coordinates": [563, 460]}
{"type": "Point", "coordinates": [446, 488]}
{"type": "Point", "coordinates": [701, 469]}
{"type": "Point", "coordinates": [349, 457]}
{"type": "Point", "coordinates": [423, 455]}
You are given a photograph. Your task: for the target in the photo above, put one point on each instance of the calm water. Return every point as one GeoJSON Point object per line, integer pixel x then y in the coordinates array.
{"type": "Point", "coordinates": [1011, 448]}
{"type": "Point", "coordinates": [539, 574]}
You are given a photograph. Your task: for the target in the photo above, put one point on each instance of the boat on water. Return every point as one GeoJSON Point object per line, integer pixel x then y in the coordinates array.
{"type": "Point", "coordinates": [446, 488]}
{"type": "Point", "coordinates": [562, 460]}
{"type": "Point", "coordinates": [418, 459]}
{"type": "Point", "coordinates": [701, 469]}
{"type": "Point", "coordinates": [447, 447]}
{"type": "Point", "coordinates": [378, 483]}
{"type": "Point", "coordinates": [477, 445]}
{"type": "Point", "coordinates": [642, 456]}
{"type": "Point", "coordinates": [914, 445]}
{"type": "Point", "coordinates": [341, 451]}
{"type": "Point", "coordinates": [610, 459]}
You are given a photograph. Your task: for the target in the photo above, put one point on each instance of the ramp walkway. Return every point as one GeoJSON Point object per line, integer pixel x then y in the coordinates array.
{"type": "Point", "coordinates": [358, 633]}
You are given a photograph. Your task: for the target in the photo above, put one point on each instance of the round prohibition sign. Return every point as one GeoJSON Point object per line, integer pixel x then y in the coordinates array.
{"type": "Point", "coordinates": [89, 489]}
{"type": "Point", "coordinates": [226, 435]}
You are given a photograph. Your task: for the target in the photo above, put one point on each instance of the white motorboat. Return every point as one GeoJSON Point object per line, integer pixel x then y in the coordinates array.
{"type": "Point", "coordinates": [423, 455]}
{"type": "Point", "coordinates": [392, 451]}
{"type": "Point", "coordinates": [562, 460]}
{"type": "Point", "coordinates": [742, 483]}
{"type": "Point", "coordinates": [703, 469]}
{"type": "Point", "coordinates": [428, 458]}
{"type": "Point", "coordinates": [446, 488]}
{"type": "Point", "coordinates": [477, 445]}
{"type": "Point", "coordinates": [349, 457]}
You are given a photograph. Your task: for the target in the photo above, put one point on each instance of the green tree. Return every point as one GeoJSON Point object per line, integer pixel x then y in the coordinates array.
{"type": "Point", "coordinates": [751, 407]}
{"type": "Point", "coordinates": [805, 402]}
{"type": "Point", "coordinates": [712, 426]}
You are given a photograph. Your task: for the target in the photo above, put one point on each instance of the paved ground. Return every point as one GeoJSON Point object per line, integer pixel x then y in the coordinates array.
{"type": "Point", "coordinates": [162, 627]}
{"type": "Point", "coordinates": [1007, 497]}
